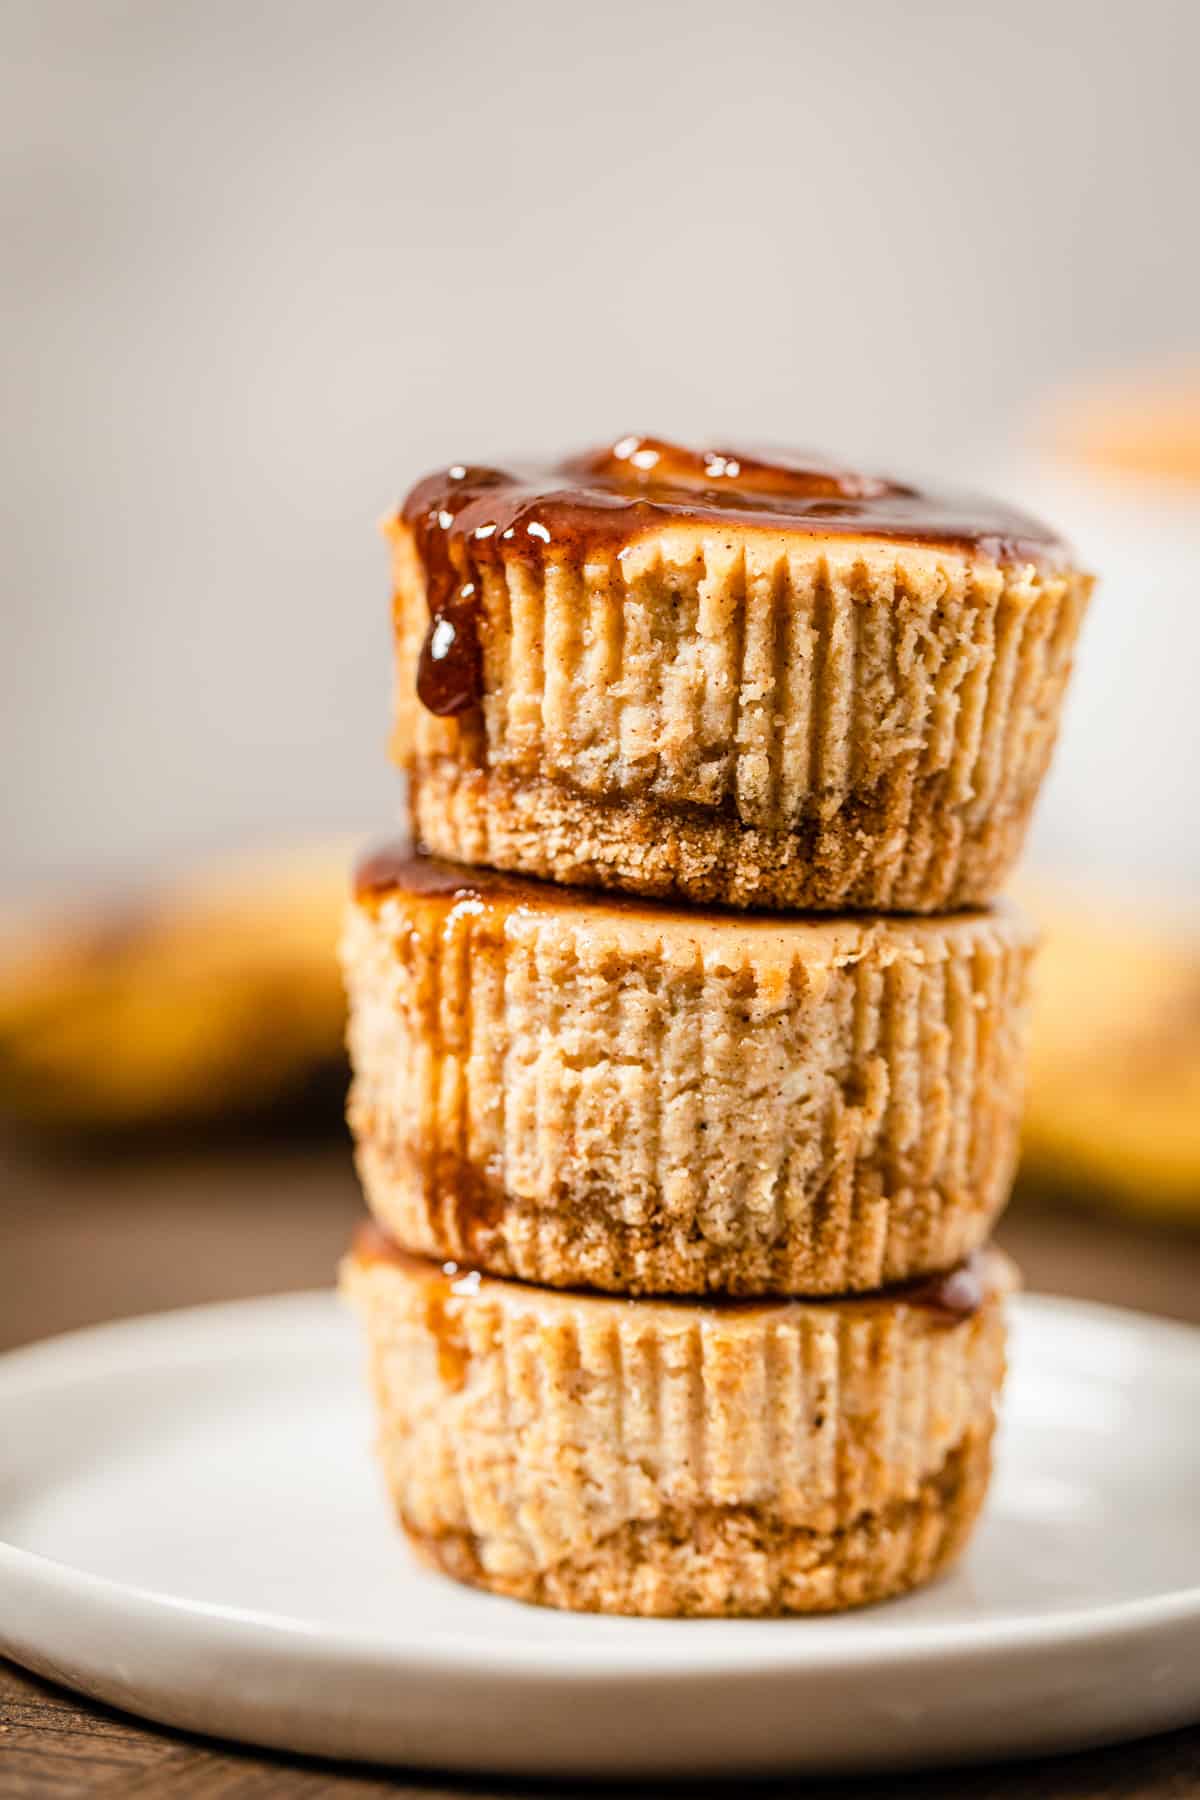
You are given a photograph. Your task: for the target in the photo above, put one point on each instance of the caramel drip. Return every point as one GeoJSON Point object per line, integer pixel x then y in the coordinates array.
{"type": "Point", "coordinates": [466, 520]}
{"type": "Point", "coordinates": [447, 1288]}
{"type": "Point", "coordinates": [444, 1297]}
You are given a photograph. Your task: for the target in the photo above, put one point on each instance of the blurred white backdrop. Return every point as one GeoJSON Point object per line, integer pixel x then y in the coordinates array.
{"type": "Point", "coordinates": [266, 262]}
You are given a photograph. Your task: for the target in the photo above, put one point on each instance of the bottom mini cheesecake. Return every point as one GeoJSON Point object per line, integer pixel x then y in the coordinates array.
{"type": "Point", "coordinates": [679, 1457]}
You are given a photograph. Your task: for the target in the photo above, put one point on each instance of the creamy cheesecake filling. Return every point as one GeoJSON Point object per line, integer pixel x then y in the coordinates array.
{"type": "Point", "coordinates": [638, 1097]}
{"type": "Point", "coordinates": [673, 1457]}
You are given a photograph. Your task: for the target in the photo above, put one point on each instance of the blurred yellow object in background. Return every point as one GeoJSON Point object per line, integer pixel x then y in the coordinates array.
{"type": "Point", "coordinates": [1113, 1111]}
{"type": "Point", "coordinates": [1114, 1081]}
{"type": "Point", "coordinates": [212, 998]}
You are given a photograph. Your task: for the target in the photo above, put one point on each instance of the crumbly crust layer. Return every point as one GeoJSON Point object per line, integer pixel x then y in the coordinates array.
{"type": "Point", "coordinates": [673, 1458]}
{"type": "Point", "coordinates": [747, 717]}
{"type": "Point", "coordinates": [744, 1561]}
{"type": "Point", "coordinates": [647, 1100]}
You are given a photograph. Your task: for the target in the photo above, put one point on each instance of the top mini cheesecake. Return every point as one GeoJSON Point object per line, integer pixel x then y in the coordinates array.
{"type": "Point", "coordinates": [756, 680]}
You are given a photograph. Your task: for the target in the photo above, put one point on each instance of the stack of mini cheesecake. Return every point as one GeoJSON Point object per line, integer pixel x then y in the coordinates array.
{"type": "Point", "coordinates": [685, 1111]}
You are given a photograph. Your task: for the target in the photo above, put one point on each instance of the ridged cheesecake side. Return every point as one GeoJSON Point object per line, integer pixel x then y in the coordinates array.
{"type": "Point", "coordinates": [679, 1457]}
{"type": "Point", "coordinates": [746, 717]}
{"type": "Point", "coordinates": [648, 1100]}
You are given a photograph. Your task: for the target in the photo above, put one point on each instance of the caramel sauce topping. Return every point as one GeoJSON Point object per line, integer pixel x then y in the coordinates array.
{"type": "Point", "coordinates": [397, 867]}
{"type": "Point", "coordinates": [464, 518]}
{"type": "Point", "coordinates": [431, 885]}
{"type": "Point", "coordinates": [953, 1296]}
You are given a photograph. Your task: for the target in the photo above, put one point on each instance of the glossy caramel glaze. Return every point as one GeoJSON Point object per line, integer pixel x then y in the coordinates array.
{"type": "Point", "coordinates": [465, 517]}
{"type": "Point", "coordinates": [955, 1294]}
{"type": "Point", "coordinates": [952, 1296]}
{"type": "Point", "coordinates": [396, 867]}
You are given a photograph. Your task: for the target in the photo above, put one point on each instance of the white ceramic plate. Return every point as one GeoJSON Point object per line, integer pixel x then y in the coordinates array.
{"type": "Point", "coordinates": [191, 1528]}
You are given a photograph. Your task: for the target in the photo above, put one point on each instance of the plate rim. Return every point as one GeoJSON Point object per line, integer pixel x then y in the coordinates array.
{"type": "Point", "coordinates": [505, 1651]}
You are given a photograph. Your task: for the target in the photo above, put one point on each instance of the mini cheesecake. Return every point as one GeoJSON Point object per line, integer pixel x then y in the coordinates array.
{"type": "Point", "coordinates": [682, 1457]}
{"type": "Point", "coordinates": [755, 679]}
{"type": "Point", "coordinates": [584, 1090]}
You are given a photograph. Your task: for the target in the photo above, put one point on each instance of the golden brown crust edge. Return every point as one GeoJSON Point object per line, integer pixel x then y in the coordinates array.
{"type": "Point", "coordinates": [749, 720]}
{"type": "Point", "coordinates": [679, 1459]}
{"type": "Point", "coordinates": [665, 1106]}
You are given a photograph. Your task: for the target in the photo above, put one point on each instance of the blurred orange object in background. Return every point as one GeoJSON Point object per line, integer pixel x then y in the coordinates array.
{"type": "Point", "coordinates": [1147, 424]}
{"type": "Point", "coordinates": [211, 998]}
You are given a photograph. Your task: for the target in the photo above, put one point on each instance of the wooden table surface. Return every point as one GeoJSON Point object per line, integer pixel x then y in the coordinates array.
{"type": "Point", "coordinates": [83, 1240]}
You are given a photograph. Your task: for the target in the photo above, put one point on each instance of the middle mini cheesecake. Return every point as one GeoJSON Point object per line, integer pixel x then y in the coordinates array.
{"type": "Point", "coordinates": [585, 1091]}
